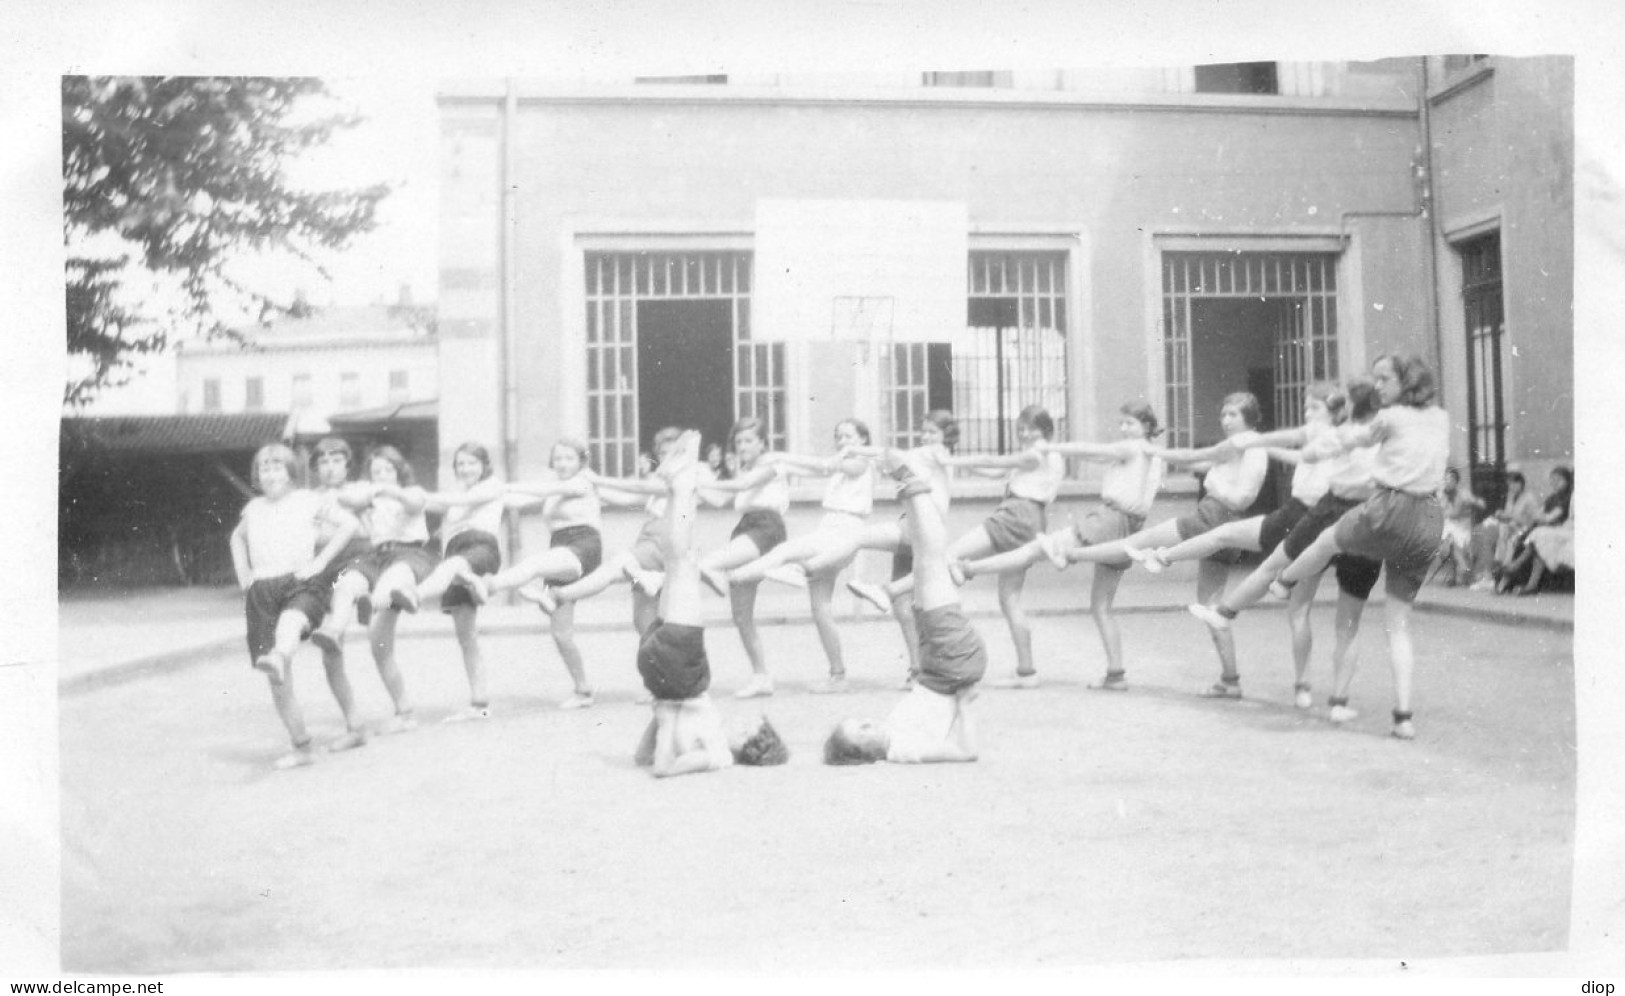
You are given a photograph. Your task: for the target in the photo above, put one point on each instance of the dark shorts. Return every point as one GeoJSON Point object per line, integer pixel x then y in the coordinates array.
{"type": "Point", "coordinates": [1321, 517]}
{"type": "Point", "coordinates": [380, 558]}
{"type": "Point", "coordinates": [1401, 530]}
{"type": "Point", "coordinates": [1210, 514]}
{"type": "Point", "coordinates": [484, 557]}
{"type": "Point", "coordinates": [265, 601]}
{"type": "Point", "coordinates": [649, 548]}
{"type": "Point", "coordinates": [1356, 575]}
{"type": "Point", "coordinates": [584, 542]}
{"type": "Point", "coordinates": [353, 551]}
{"type": "Point", "coordinates": [1105, 524]}
{"type": "Point", "coordinates": [1278, 525]}
{"type": "Point", "coordinates": [1015, 523]}
{"type": "Point", "coordinates": [952, 655]}
{"type": "Point", "coordinates": [672, 661]}
{"type": "Point", "coordinates": [764, 526]}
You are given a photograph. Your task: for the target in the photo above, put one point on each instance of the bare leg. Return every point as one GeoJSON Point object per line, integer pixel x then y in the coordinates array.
{"type": "Point", "coordinates": [1165, 533]}
{"type": "Point", "coordinates": [1102, 593]}
{"type": "Point", "coordinates": [1240, 535]}
{"type": "Point", "coordinates": [1254, 585]}
{"type": "Point", "coordinates": [797, 550]}
{"type": "Point", "coordinates": [820, 591]}
{"type": "Point", "coordinates": [442, 577]}
{"type": "Point", "coordinates": [1303, 638]}
{"type": "Point", "coordinates": [1537, 573]}
{"type": "Point", "coordinates": [1402, 657]}
{"type": "Point", "coordinates": [1021, 632]}
{"type": "Point", "coordinates": [1313, 560]}
{"type": "Point", "coordinates": [902, 609]}
{"type": "Point", "coordinates": [645, 610]}
{"type": "Point", "coordinates": [1017, 560]}
{"type": "Point", "coordinates": [1345, 654]}
{"type": "Point", "coordinates": [552, 564]}
{"type": "Point", "coordinates": [463, 619]}
{"type": "Point", "coordinates": [599, 581]}
{"type": "Point", "coordinates": [564, 638]}
{"type": "Point", "coordinates": [290, 628]}
{"type": "Point", "coordinates": [349, 589]}
{"type": "Point", "coordinates": [1210, 579]}
{"type": "Point", "coordinates": [396, 577]}
{"type": "Point", "coordinates": [383, 654]}
{"type": "Point", "coordinates": [974, 545]}
{"type": "Point", "coordinates": [339, 682]}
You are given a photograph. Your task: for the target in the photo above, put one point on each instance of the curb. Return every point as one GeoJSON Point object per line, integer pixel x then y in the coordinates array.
{"type": "Point", "coordinates": [186, 657]}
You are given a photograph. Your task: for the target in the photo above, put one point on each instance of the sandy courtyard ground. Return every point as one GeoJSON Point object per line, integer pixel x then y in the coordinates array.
{"type": "Point", "coordinates": [1097, 828]}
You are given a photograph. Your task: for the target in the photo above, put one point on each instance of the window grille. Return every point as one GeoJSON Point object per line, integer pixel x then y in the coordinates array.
{"type": "Point", "coordinates": [1305, 347]}
{"type": "Point", "coordinates": [1012, 354]}
{"type": "Point", "coordinates": [1486, 326]}
{"type": "Point", "coordinates": [253, 394]}
{"type": "Point", "coordinates": [616, 282]}
{"type": "Point", "coordinates": [211, 395]}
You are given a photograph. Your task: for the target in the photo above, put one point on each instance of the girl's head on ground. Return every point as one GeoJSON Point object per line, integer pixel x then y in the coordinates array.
{"type": "Point", "coordinates": [568, 457]}
{"type": "Point", "coordinates": [275, 470]}
{"type": "Point", "coordinates": [1363, 399]}
{"type": "Point", "coordinates": [760, 747]}
{"type": "Point", "coordinates": [1138, 421]}
{"type": "Point", "coordinates": [332, 458]}
{"type": "Point", "coordinates": [1561, 478]}
{"type": "Point", "coordinates": [1403, 379]}
{"type": "Point", "coordinates": [851, 432]}
{"type": "Point", "coordinates": [1240, 411]}
{"type": "Point", "coordinates": [748, 438]}
{"type": "Point", "coordinates": [855, 741]}
{"type": "Point", "coordinates": [942, 422]}
{"type": "Point", "coordinates": [664, 440]}
{"type": "Point", "coordinates": [1034, 423]}
{"type": "Point", "coordinates": [1324, 402]}
{"type": "Point", "coordinates": [385, 465]}
{"type": "Point", "coordinates": [471, 463]}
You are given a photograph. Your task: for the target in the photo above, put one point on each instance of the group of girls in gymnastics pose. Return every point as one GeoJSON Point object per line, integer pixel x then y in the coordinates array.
{"type": "Point", "coordinates": [1368, 462]}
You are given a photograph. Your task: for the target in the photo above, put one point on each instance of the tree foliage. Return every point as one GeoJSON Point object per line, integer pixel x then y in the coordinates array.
{"type": "Point", "coordinates": [178, 176]}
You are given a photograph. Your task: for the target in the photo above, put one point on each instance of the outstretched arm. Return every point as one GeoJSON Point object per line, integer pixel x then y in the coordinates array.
{"type": "Point", "coordinates": [413, 499]}
{"type": "Point", "coordinates": [348, 526]}
{"type": "Point", "coordinates": [1089, 451]}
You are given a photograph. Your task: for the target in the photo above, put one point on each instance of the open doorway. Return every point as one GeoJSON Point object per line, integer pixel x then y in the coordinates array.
{"type": "Point", "coordinates": [685, 368]}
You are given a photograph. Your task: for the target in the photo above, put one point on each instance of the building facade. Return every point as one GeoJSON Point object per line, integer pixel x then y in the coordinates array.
{"type": "Point", "coordinates": [1172, 235]}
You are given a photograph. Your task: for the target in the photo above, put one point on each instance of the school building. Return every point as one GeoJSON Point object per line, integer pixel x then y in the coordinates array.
{"type": "Point", "coordinates": [1167, 234]}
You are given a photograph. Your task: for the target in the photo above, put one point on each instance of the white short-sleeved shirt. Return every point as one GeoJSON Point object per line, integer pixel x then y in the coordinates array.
{"type": "Point", "coordinates": [566, 510]}
{"type": "Point", "coordinates": [919, 724]}
{"type": "Point", "coordinates": [1130, 485]}
{"type": "Point", "coordinates": [772, 494]}
{"type": "Point", "coordinates": [485, 517]}
{"type": "Point", "coordinates": [388, 521]}
{"type": "Point", "coordinates": [1310, 478]}
{"type": "Point", "coordinates": [1236, 482]}
{"type": "Point", "coordinates": [282, 535]}
{"type": "Point", "coordinates": [1413, 447]}
{"type": "Point", "coordinates": [1041, 483]}
{"type": "Point", "coordinates": [854, 495]}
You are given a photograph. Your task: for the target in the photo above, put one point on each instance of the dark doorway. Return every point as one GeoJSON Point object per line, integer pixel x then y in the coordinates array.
{"type": "Point", "coordinates": [1234, 348]}
{"type": "Point", "coordinates": [685, 368]}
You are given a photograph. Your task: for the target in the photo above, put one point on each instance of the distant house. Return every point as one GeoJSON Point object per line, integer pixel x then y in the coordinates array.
{"type": "Point", "coordinates": [152, 498]}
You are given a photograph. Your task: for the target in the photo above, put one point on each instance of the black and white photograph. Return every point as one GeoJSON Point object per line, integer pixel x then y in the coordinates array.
{"type": "Point", "coordinates": [797, 491]}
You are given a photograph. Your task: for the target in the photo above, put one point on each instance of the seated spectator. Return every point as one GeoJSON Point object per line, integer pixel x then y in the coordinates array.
{"type": "Point", "coordinates": [1519, 574]}
{"type": "Point", "coordinates": [1460, 504]}
{"type": "Point", "coordinates": [1509, 525]}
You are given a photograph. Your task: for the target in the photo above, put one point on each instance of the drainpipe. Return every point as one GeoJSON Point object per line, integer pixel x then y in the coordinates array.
{"type": "Point", "coordinates": [1422, 165]}
{"type": "Point", "coordinates": [510, 386]}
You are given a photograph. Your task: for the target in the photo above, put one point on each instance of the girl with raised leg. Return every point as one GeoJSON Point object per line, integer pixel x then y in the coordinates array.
{"type": "Point", "coordinates": [824, 552]}
{"type": "Point", "coordinates": [1401, 524]}
{"type": "Point", "coordinates": [1133, 474]}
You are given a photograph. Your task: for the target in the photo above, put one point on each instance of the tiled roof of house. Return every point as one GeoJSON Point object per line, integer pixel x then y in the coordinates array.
{"type": "Point", "coordinates": [217, 433]}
